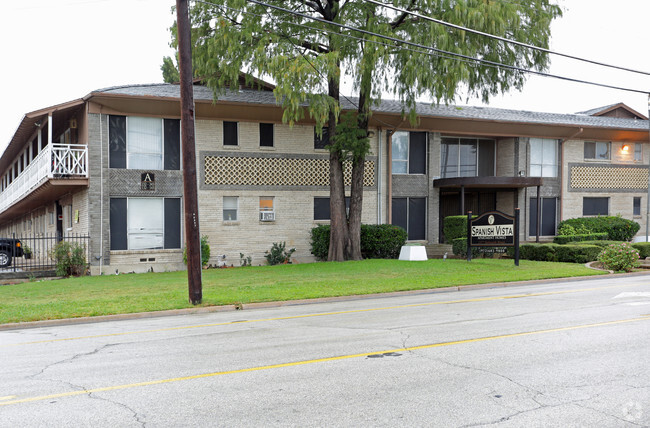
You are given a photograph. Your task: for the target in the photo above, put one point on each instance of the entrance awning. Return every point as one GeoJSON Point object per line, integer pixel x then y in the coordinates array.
{"type": "Point", "coordinates": [487, 182]}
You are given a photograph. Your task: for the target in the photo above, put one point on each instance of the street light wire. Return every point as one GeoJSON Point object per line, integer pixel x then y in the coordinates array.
{"type": "Point", "coordinates": [503, 39]}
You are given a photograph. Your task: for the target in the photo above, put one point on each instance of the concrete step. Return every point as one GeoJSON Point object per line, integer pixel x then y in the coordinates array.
{"type": "Point", "coordinates": [437, 251]}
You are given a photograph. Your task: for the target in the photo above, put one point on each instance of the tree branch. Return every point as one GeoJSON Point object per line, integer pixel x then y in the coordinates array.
{"type": "Point", "coordinates": [399, 21]}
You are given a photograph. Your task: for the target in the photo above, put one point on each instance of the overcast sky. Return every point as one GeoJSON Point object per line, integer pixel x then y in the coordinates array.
{"type": "Point", "coordinates": [57, 51]}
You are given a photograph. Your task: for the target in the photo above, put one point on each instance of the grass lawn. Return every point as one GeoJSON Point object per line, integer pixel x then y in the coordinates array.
{"type": "Point", "coordinates": [117, 294]}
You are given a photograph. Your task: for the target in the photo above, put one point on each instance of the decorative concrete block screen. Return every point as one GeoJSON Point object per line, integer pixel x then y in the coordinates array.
{"type": "Point", "coordinates": [264, 171]}
{"type": "Point", "coordinates": [604, 177]}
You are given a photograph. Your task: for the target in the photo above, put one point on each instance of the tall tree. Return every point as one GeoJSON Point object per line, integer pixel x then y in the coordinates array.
{"type": "Point", "coordinates": [301, 48]}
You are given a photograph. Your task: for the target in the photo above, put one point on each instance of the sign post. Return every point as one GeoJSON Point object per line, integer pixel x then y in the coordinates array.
{"type": "Point", "coordinates": [493, 229]}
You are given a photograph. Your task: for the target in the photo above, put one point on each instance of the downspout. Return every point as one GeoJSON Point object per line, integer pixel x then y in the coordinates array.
{"type": "Point", "coordinates": [101, 192]}
{"type": "Point", "coordinates": [561, 162]}
{"type": "Point", "coordinates": [49, 143]}
{"type": "Point", "coordinates": [379, 165]}
{"type": "Point", "coordinates": [389, 176]}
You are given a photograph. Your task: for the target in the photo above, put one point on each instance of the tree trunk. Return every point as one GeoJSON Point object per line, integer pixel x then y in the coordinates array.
{"type": "Point", "coordinates": [358, 168]}
{"type": "Point", "coordinates": [338, 220]}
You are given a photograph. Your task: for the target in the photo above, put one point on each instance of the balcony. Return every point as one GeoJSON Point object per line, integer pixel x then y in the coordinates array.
{"type": "Point", "coordinates": [51, 174]}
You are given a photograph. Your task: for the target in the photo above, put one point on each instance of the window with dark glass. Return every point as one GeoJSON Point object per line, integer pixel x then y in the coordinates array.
{"type": "Point", "coordinates": [230, 137]}
{"type": "Point", "coordinates": [636, 206]}
{"type": "Point", "coordinates": [410, 215]}
{"type": "Point", "coordinates": [638, 152]}
{"type": "Point", "coordinates": [548, 217]}
{"type": "Point", "coordinates": [597, 150]}
{"type": "Point", "coordinates": [467, 157]}
{"type": "Point", "coordinates": [409, 152]}
{"type": "Point", "coordinates": [266, 135]}
{"type": "Point", "coordinates": [322, 207]}
{"type": "Point", "coordinates": [323, 140]}
{"type": "Point", "coordinates": [595, 206]}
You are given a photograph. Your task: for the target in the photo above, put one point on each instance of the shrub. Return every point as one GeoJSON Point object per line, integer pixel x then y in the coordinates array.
{"type": "Point", "coordinates": [378, 241]}
{"type": "Point", "coordinates": [454, 226]}
{"type": "Point", "coordinates": [70, 258]}
{"type": "Point", "coordinates": [278, 254]}
{"type": "Point", "coordinates": [568, 229]}
{"type": "Point", "coordinates": [205, 251]}
{"type": "Point", "coordinates": [459, 248]}
{"type": "Point", "coordinates": [601, 243]}
{"type": "Point", "coordinates": [643, 248]}
{"type": "Point", "coordinates": [565, 239]}
{"type": "Point", "coordinates": [537, 252]}
{"type": "Point", "coordinates": [572, 253]}
{"type": "Point", "coordinates": [619, 257]}
{"type": "Point", "coordinates": [320, 241]}
{"type": "Point", "coordinates": [616, 227]}
{"type": "Point", "coordinates": [381, 241]}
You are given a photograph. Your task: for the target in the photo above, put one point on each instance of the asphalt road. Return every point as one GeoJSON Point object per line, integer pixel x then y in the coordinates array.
{"type": "Point", "coordinates": [563, 354]}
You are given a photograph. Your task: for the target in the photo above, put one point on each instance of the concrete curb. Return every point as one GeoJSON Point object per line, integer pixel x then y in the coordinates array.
{"type": "Point", "coordinates": [264, 305]}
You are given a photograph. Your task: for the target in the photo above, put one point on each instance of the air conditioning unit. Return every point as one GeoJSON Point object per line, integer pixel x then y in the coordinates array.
{"type": "Point", "coordinates": [267, 216]}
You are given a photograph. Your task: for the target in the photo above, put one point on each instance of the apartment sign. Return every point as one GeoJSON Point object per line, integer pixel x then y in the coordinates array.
{"type": "Point", "coordinates": [147, 181]}
{"type": "Point", "coordinates": [493, 229]}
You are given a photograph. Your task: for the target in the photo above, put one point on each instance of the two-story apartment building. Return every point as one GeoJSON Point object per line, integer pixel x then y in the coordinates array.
{"type": "Point", "coordinates": [109, 165]}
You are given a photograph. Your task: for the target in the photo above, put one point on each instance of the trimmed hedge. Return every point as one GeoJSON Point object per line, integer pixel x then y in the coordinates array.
{"type": "Point", "coordinates": [601, 244]}
{"type": "Point", "coordinates": [378, 241]}
{"type": "Point", "coordinates": [459, 248]}
{"type": "Point", "coordinates": [454, 226]}
{"type": "Point", "coordinates": [616, 227]}
{"type": "Point", "coordinates": [643, 248]}
{"type": "Point", "coordinates": [569, 253]}
{"type": "Point", "coordinates": [565, 239]}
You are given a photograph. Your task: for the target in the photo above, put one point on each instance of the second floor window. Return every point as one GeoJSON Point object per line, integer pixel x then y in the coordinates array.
{"type": "Point", "coordinates": [144, 143]}
{"type": "Point", "coordinates": [543, 157]}
{"type": "Point", "coordinates": [597, 150]}
{"type": "Point", "coordinates": [409, 152]}
{"type": "Point", "coordinates": [467, 157]}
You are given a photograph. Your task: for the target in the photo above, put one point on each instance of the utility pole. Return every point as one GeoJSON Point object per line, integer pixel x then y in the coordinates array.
{"type": "Point", "coordinates": [190, 199]}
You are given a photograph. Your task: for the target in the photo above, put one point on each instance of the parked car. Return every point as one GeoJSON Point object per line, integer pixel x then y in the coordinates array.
{"type": "Point", "coordinates": [9, 248]}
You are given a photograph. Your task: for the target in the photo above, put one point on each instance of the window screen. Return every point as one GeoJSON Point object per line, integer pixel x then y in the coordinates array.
{"type": "Point", "coordinates": [144, 139]}
{"type": "Point", "coordinates": [595, 206]}
{"type": "Point", "coordinates": [230, 134]}
{"type": "Point", "coordinates": [145, 223]}
{"type": "Point", "coordinates": [266, 135]}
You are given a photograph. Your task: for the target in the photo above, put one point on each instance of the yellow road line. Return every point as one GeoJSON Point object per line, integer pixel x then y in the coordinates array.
{"type": "Point", "coordinates": [351, 311]}
{"type": "Point", "coordinates": [8, 397]}
{"type": "Point", "coordinates": [318, 360]}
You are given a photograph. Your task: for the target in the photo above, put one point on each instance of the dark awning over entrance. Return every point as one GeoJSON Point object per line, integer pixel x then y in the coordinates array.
{"type": "Point", "coordinates": [487, 182]}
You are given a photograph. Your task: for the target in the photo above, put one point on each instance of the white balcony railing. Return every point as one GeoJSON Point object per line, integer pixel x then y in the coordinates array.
{"type": "Point", "coordinates": [56, 161]}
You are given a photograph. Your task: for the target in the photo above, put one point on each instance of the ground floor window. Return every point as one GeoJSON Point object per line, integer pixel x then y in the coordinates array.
{"type": "Point", "coordinates": [322, 207]}
{"type": "Point", "coordinates": [410, 214]}
{"type": "Point", "coordinates": [595, 206]}
{"type": "Point", "coordinates": [636, 206]}
{"type": "Point", "coordinates": [145, 223]}
{"type": "Point", "coordinates": [548, 217]}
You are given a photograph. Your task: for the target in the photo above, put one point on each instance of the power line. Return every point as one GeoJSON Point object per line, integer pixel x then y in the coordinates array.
{"type": "Point", "coordinates": [503, 39]}
{"type": "Point", "coordinates": [467, 57]}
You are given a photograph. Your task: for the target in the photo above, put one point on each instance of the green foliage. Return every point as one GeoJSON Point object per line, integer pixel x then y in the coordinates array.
{"type": "Point", "coordinates": [643, 248]}
{"type": "Point", "coordinates": [459, 247]}
{"type": "Point", "coordinates": [571, 253]}
{"type": "Point", "coordinates": [565, 239]}
{"type": "Point", "coordinates": [619, 257]}
{"type": "Point", "coordinates": [568, 253]}
{"type": "Point", "coordinates": [382, 241]}
{"type": "Point", "coordinates": [205, 251]}
{"type": "Point", "coordinates": [170, 71]}
{"type": "Point", "coordinates": [600, 243]}
{"type": "Point", "coordinates": [616, 227]}
{"type": "Point", "coordinates": [538, 252]}
{"type": "Point", "coordinates": [278, 254]}
{"type": "Point", "coordinates": [567, 229]}
{"type": "Point", "coordinates": [454, 226]}
{"type": "Point", "coordinates": [378, 241]}
{"type": "Point", "coordinates": [70, 258]}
